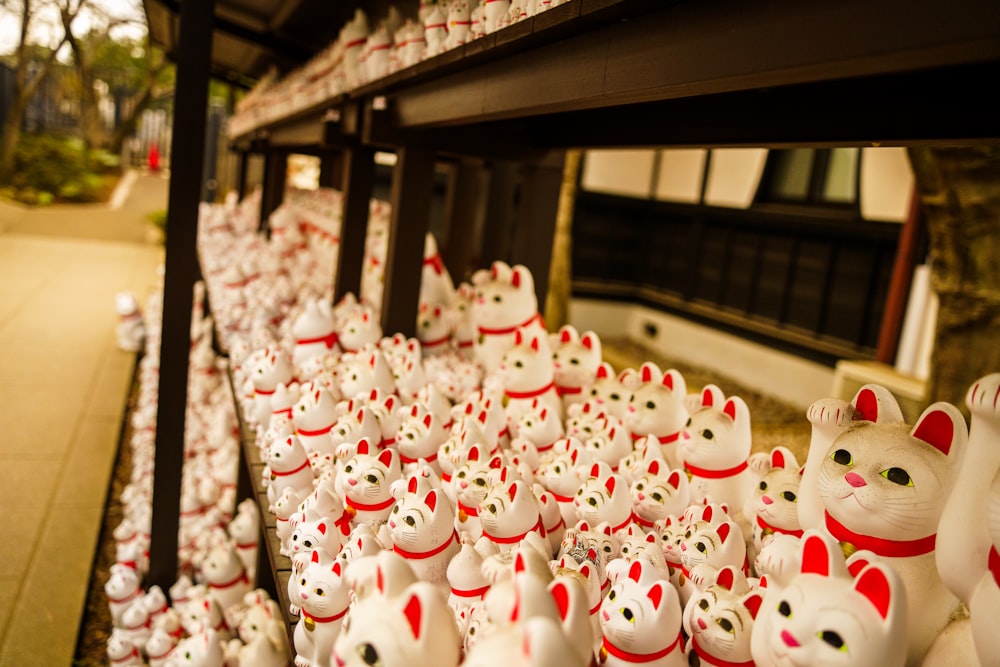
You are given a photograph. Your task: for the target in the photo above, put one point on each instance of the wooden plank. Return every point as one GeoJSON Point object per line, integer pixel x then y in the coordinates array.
{"type": "Point", "coordinates": [536, 221]}
{"type": "Point", "coordinates": [412, 181]}
{"type": "Point", "coordinates": [359, 178]}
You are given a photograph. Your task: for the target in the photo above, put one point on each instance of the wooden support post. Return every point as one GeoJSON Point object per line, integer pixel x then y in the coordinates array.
{"type": "Point", "coordinates": [535, 225]}
{"type": "Point", "coordinates": [412, 180]}
{"type": "Point", "coordinates": [358, 179]}
{"type": "Point", "coordinates": [499, 222]}
{"type": "Point", "coordinates": [275, 173]}
{"type": "Point", "coordinates": [242, 161]}
{"type": "Point", "coordinates": [463, 219]}
{"type": "Point", "coordinates": [331, 169]}
{"type": "Point", "coordinates": [181, 273]}
{"type": "Point", "coordinates": [899, 284]}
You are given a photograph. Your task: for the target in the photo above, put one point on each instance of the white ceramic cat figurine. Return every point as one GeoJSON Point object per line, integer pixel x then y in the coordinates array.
{"type": "Point", "coordinates": [506, 303]}
{"type": "Point", "coordinates": [324, 602]}
{"type": "Point", "coordinates": [883, 486]}
{"type": "Point", "coordinates": [459, 24]}
{"type": "Point", "coordinates": [493, 15]}
{"type": "Point", "coordinates": [466, 580]}
{"type": "Point", "coordinates": [121, 650]}
{"type": "Point", "coordinates": [773, 505]}
{"type": "Point", "coordinates": [359, 329]}
{"type": "Point", "coordinates": [657, 408]}
{"type": "Point", "coordinates": [366, 370]}
{"type": "Point", "coordinates": [203, 649]}
{"type": "Point", "coordinates": [715, 448]}
{"type": "Point", "coordinates": [123, 586]}
{"type": "Point", "coordinates": [422, 530]}
{"type": "Point", "coordinates": [969, 531]}
{"type": "Point", "coordinates": [435, 31]}
{"type": "Point", "coordinates": [658, 493]}
{"type": "Point", "coordinates": [576, 358]}
{"type": "Point", "coordinates": [561, 474]}
{"type": "Point", "coordinates": [608, 441]}
{"type": "Point", "coordinates": [287, 467]}
{"type": "Point", "coordinates": [508, 513]}
{"type": "Point", "coordinates": [316, 532]}
{"type": "Point", "coordinates": [641, 623]}
{"type": "Point", "coordinates": [604, 496]}
{"type": "Point", "coordinates": [314, 415]}
{"type": "Point", "coordinates": [721, 620]}
{"type": "Point", "coordinates": [472, 480]}
{"type": "Point", "coordinates": [226, 576]}
{"type": "Point", "coordinates": [528, 378]}
{"type": "Point", "coordinates": [826, 616]}
{"type": "Point", "coordinates": [420, 435]}
{"type": "Point", "coordinates": [315, 332]}
{"type": "Point", "coordinates": [271, 367]}
{"type": "Point", "coordinates": [368, 477]}
{"type": "Point", "coordinates": [415, 628]}
{"type": "Point", "coordinates": [710, 548]}
{"type": "Point", "coordinates": [263, 639]}
{"type": "Point", "coordinates": [609, 390]}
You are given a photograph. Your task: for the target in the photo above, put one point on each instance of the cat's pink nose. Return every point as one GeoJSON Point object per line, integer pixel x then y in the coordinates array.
{"type": "Point", "coordinates": [352, 481]}
{"type": "Point", "coordinates": [684, 546]}
{"type": "Point", "coordinates": [766, 500]}
{"type": "Point", "coordinates": [702, 624]}
{"type": "Point", "coordinates": [855, 480]}
{"type": "Point", "coordinates": [789, 639]}
{"type": "Point", "coordinates": [641, 496]}
{"type": "Point", "coordinates": [607, 616]}
{"type": "Point", "coordinates": [304, 596]}
{"type": "Point", "coordinates": [463, 484]}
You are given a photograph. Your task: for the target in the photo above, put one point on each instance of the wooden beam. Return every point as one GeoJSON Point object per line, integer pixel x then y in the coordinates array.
{"type": "Point", "coordinates": [358, 179]}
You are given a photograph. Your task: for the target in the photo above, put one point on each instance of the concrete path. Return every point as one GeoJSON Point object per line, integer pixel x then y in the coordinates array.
{"type": "Point", "coordinates": [63, 384]}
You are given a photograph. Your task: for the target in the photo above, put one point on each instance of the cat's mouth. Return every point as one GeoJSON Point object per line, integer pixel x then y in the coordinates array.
{"type": "Point", "coordinates": [852, 494]}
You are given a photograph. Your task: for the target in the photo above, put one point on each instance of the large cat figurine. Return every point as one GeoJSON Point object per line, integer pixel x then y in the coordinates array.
{"type": "Point", "coordinates": [419, 436]}
{"type": "Point", "coordinates": [656, 408]}
{"type": "Point", "coordinates": [414, 628]}
{"type": "Point", "coordinates": [604, 497]}
{"type": "Point", "coordinates": [883, 486]}
{"type": "Point", "coordinates": [720, 619]}
{"type": "Point", "coordinates": [324, 602]}
{"type": "Point", "coordinates": [508, 513]}
{"type": "Point", "coordinates": [506, 303]}
{"type": "Point", "coordinates": [826, 616]}
{"type": "Point", "coordinates": [658, 493]}
{"type": "Point", "coordinates": [368, 477]}
{"type": "Point", "coordinates": [314, 415]}
{"type": "Point", "coordinates": [968, 545]}
{"type": "Point", "coordinates": [576, 358]}
{"type": "Point", "coordinates": [528, 378]}
{"type": "Point", "coordinates": [315, 332]}
{"type": "Point", "coordinates": [641, 623]}
{"type": "Point", "coordinates": [773, 504]}
{"type": "Point", "coordinates": [715, 449]}
{"type": "Point", "coordinates": [422, 530]}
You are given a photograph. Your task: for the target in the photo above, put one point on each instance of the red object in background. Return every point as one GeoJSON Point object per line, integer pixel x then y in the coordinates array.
{"type": "Point", "coordinates": [154, 158]}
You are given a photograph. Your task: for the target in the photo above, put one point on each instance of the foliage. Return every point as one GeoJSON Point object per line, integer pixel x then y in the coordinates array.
{"type": "Point", "coordinates": [51, 169]}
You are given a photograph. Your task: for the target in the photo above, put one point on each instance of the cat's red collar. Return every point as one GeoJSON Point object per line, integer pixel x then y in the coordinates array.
{"type": "Point", "coordinates": [329, 340]}
{"type": "Point", "coordinates": [283, 411]}
{"type": "Point", "coordinates": [472, 593]}
{"type": "Point", "coordinates": [471, 511]}
{"type": "Point", "coordinates": [263, 392]}
{"type": "Point", "coordinates": [994, 565]}
{"type": "Point", "coordinates": [364, 507]}
{"type": "Point", "coordinates": [133, 655]}
{"type": "Point", "coordinates": [630, 657]}
{"type": "Point", "coordinates": [764, 525]}
{"type": "Point", "coordinates": [413, 555]}
{"type": "Point", "coordinates": [879, 545]}
{"type": "Point", "coordinates": [161, 656]}
{"type": "Point", "coordinates": [563, 391]}
{"type": "Point", "coordinates": [319, 431]}
{"type": "Point", "coordinates": [285, 473]}
{"type": "Point", "coordinates": [715, 474]}
{"type": "Point", "coordinates": [429, 459]}
{"type": "Point", "coordinates": [562, 499]}
{"type": "Point", "coordinates": [716, 662]}
{"type": "Point", "coordinates": [435, 342]}
{"type": "Point", "coordinates": [486, 331]}
{"type": "Point", "coordinates": [642, 522]}
{"type": "Point", "coordinates": [528, 394]}
{"type": "Point", "coordinates": [538, 527]}
{"type": "Point", "coordinates": [324, 619]}
{"type": "Point", "coordinates": [241, 578]}
{"type": "Point", "coordinates": [663, 439]}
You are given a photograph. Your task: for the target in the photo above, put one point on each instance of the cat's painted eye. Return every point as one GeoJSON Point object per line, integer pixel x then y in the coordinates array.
{"type": "Point", "coordinates": [687, 424]}
{"type": "Point", "coordinates": [371, 479]}
{"type": "Point", "coordinates": [611, 596]}
{"type": "Point", "coordinates": [687, 535]}
{"type": "Point", "coordinates": [703, 604]}
{"type": "Point", "coordinates": [843, 457]}
{"type": "Point", "coordinates": [395, 510]}
{"type": "Point", "coordinates": [833, 639]}
{"type": "Point", "coordinates": [700, 546]}
{"type": "Point", "coordinates": [302, 582]}
{"type": "Point", "coordinates": [763, 485]}
{"type": "Point", "coordinates": [410, 521]}
{"type": "Point", "coordinates": [579, 491]}
{"type": "Point", "coordinates": [627, 613]}
{"type": "Point", "coordinates": [657, 496]}
{"type": "Point", "coordinates": [607, 548]}
{"type": "Point", "coordinates": [707, 434]}
{"type": "Point", "coordinates": [369, 655]}
{"type": "Point", "coordinates": [557, 469]}
{"type": "Point", "coordinates": [640, 486]}
{"type": "Point", "coordinates": [497, 298]}
{"type": "Point", "coordinates": [592, 502]}
{"type": "Point", "coordinates": [574, 361]}
{"type": "Point", "coordinates": [479, 481]}
{"type": "Point", "coordinates": [308, 544]}
{"type": "Point", "coordinates": [784, 609]}
{"type": "Point", "coordinates": [593, 392]}
{"type": "Point", "coordinates": [650, 405]}
{"type": "Point", "coordinates": [492, 508]}
{"type": "Point", "coordinates": [410, 436]}
{"type": "Point", "coordinates": [319, 591]}
{"type": "Point", "coordinates": [897, 476]}
{"type": "Point", "coordinates": [348, 468]}
{"type": "Point", "coordinates": [789, 496]}
{"type": "Point", "coordinates": [615, 396]}
{"type": "Point", "coordinates": [461, 474]}
{"type": "Point", "coordinates": [726, 625]}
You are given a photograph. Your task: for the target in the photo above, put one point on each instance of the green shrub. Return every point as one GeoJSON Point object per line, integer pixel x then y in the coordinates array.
{"type": "Point", "coordinates": [47, 164]}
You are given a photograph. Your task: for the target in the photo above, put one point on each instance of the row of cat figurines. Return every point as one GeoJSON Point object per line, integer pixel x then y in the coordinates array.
{"type": "Point", "coordinates": [871, 481]}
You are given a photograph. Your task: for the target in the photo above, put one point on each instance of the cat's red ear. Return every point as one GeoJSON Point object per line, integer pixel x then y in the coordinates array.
{"type": "Point", "coordinates": [496, 462]}
{"type": "Point", "coordinates": [564, 335]}
{"type": "Point", "coordinates": [413, 611]}
{"type": "Point", "coordinates": [938, 426]}
{"type": "Point", "coordinates": [534, 344]}
{"type": "Point", "coordinates": [655, 594]}
{"type": "Point", "coordinates": [518, 338]}
{"type": "Point", "coordinates": [560, 594]}
{"type": "Point", "coordinates": [731, 408]}
{"type": "Point", "coordinates": [752, 603]}
{"type": "Point", "coordinates": [315, 556]}
{"type": "Point", "coordinates": [519, 565]}
{"type": "Point", "coordinates": [815, 556]}
{"type": "Point", "coordinates": [725, 578]}
{"type": "Point", "coordinates": [635, 572]}
{"type": "Point", "coordinates": [668, 381]}
{"type": "Point", "coordinates": [675, 479]}
{"type": "Point", "coordinates": [336, 568]}
{"type": "Point", "coordinates": [610, 485]}
{"type": "Point", "coordinates": [874, 585]}
{"type": "Point", "coordinates": [385, 458]}
{"type": "Point", "coordinates": [706, 398]}
{"type": "Point", "coordinates": [512, 491]}
{"type": "Point", "coordinates": [865, 406]}
{"type": "Point", "coordinates": [321, 527]}
{"type": "Point", "coordinates": [589, 341]}
{"type": "Point", "coordinates": [431, 499]}
{"type": "Point", "coordinates": [723, 531]}
{"type": "Point", "coordinates": [427, 420]}
{"type": "Point", "coordinates": [411, 486]}
{"type": "Point", "coordinates": [515, 278]}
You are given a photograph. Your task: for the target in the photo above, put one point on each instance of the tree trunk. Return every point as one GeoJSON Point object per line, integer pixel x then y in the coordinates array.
{"type": "Point", "coordinates": [959, 192]}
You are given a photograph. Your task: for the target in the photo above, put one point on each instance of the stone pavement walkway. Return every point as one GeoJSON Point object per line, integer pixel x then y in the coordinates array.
{"type": "Point", "coordinates": [63, 384]}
